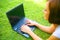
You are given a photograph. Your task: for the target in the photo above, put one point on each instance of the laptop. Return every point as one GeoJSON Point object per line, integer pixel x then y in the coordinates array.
{"type": "Point", "coordinates": [16, 17]}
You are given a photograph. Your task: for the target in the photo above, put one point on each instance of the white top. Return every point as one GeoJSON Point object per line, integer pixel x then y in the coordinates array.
{"type": "Point", "coordinates": [57, 32]}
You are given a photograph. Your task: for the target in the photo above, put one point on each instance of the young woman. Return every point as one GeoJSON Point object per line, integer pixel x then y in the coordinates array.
{"type": "Point", "coordinates": [52, 14]}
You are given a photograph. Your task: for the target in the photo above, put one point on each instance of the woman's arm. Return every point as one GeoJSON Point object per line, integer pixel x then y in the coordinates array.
{"type": "Point", "coordinates": [26, 29]}
{"type": "Point", "coordinates": [47, 29]}
{"type": "Point", "coordinates": [34, 36]}
{"type": "Point", "coordinates": [43, 28]}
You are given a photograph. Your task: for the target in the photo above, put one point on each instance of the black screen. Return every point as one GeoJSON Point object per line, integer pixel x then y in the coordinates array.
{"type": "Point", "coordinates": [16, 14]}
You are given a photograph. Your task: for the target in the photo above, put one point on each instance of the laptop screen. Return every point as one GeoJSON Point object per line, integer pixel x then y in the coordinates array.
{"type": "Point", "coordinates": [16, 14]}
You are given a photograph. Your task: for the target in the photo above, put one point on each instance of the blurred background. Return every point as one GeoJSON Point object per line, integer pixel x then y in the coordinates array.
{"type": "Point", "coordinates": [33, 10]}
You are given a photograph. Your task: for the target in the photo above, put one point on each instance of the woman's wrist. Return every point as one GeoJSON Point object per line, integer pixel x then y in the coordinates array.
{"type": "Point", "coordinates": [29, 31]}
{"type": "Point", "coordinates": [36, 24]}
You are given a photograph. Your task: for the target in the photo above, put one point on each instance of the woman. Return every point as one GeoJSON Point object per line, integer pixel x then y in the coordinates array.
{"type": "Point", "coordinates": [52, 14]}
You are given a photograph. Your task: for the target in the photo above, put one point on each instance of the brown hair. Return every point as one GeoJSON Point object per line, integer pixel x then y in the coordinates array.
{"type": "Point", "coordinates": [54, 8]}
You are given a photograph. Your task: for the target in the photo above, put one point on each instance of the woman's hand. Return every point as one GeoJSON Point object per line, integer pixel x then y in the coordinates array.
{"type": "Point", "coordinates": [31, 23]}
{"type": "Point", "coordinates": [25, 29]}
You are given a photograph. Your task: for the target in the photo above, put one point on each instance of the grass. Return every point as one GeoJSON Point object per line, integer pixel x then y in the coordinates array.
{"type": "Point", "coordinates": [33, 11]}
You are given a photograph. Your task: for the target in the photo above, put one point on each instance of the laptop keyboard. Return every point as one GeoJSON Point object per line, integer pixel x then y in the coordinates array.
{"type": "Point", "coordinates": [18, 26]}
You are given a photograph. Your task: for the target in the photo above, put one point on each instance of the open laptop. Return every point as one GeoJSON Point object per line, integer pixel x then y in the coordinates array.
{"type": "Point", "coordinates": [16, 17]}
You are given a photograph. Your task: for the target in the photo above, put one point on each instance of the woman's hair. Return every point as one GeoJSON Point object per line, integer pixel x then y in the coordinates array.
{"type": "Point", "coordinates": [54, 8]}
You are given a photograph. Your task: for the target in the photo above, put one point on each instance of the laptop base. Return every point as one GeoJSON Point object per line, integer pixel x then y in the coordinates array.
{"type": "Point", "coordinates": [18, 26]}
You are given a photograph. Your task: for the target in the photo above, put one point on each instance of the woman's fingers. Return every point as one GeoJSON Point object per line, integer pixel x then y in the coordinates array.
{"type": "Point", "coordinates": [28, 21]}
{"type": "Point", "coordinates": [29, 24]}
{"type": "Point", "coordinates": [25, 28]}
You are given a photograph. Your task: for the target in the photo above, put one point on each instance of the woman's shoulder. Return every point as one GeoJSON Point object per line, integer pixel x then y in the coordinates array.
{"type": "Point", "coordinates": [58, 27]}
{"type": "Point", "coordinates": [57, 32]}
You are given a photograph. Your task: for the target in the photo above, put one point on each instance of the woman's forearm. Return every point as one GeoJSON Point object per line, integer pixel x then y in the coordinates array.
{"type": "Point", "coordinates": [34, 36]}
{"type": "Point", "coordinates": [45, 28]}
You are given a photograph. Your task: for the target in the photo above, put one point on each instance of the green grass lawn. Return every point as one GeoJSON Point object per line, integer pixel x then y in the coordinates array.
{"type": "Point", "coordinates": [33, 11]}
